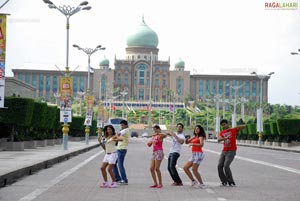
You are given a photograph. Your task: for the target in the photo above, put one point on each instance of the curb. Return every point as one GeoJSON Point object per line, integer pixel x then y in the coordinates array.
{"type": "Point", "coordinates": [12, 177]}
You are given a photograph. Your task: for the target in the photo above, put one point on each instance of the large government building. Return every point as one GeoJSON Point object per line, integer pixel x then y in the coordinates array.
{"type": "Point", "coordinates": [134, 79]}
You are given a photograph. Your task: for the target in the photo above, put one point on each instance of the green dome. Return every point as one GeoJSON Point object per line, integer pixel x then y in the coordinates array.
{"type": "Point", "coordinates": [180, 63]}
{"type": "Point", "coordinates": [104, 62]}
{"type": "Point", "coordinates": [143, 37]}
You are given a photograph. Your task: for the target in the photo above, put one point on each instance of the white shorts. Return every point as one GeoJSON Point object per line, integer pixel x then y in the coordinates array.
{"type": "Point", "coordinates": [110, 158]}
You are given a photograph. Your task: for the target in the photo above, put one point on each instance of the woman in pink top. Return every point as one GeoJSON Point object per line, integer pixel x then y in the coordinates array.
{"type": "Point", "coordinates": [196, 143]}
{"type": "Point", "coordinates": [157, 156]}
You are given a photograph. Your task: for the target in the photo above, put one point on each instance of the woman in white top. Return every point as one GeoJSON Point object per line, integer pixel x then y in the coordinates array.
{"type": "Point", "coordinates": [110, 157]}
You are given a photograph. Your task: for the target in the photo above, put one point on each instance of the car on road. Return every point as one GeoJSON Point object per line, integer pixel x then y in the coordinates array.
{"type": "Point", "coordinates": [145, 134]}
{"type": "Point", "coordinates": [134, 134]}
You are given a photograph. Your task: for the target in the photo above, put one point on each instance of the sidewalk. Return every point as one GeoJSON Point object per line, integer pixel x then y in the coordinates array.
{"type": "Point", "coordinates": [16, 164]}
{"type": "Point", "coordinates": [289, 149]}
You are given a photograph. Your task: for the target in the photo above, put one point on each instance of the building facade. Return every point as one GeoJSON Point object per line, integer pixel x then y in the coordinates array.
{"type": "Point", "coordinates": [142, 75]}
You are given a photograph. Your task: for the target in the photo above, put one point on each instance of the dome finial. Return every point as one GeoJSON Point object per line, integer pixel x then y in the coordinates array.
{"type": "Point", "coordinates": [143, 18]}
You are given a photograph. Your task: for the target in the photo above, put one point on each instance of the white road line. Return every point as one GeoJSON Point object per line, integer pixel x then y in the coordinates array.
{"type": "Point", "coordinates": [39, 191]}
{"type": "Point", "coordinates": [293, 170]}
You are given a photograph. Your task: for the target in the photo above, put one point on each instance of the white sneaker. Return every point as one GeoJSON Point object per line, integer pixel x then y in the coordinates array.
{"type": "Point", "coordinates": [194, 184]}
{"type": "Point", "coordinates": [113, 185]}
{"type": "Point", "coordinates": [202, 186]}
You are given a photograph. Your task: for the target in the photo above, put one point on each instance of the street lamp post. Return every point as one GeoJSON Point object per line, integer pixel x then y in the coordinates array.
{"type": "Point", "coordinates": [89, 52]}
{"type": "Point", "coordinates": [173, 117]}
{"type": "Point", "coordinates": [217, 127]}
{"type": "Point", "coordinates": [243, 101]}
{"type": "Point", "coordinates": [123, 93]}
{"type": "Point", "coordinates": [150, 95]}
{"type": "Point", "coordinates": [67, 11]}
{"type": "Point", "coordinates": [261, 77]}
{"type": "Point", "coordinates": [57, 96]}
{"type": "Point", "coordinates": [234, 104]}
{"type": "Point", "coordinates": [80, 94]}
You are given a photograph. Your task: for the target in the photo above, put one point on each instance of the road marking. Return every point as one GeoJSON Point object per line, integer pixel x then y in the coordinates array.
{"type": "Point", "coordinates": [262, 163]}
{"type": "Point", "coordinates": [39, 191]}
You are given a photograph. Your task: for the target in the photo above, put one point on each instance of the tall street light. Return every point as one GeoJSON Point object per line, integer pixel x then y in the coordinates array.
{"type": "Point", "coordinates": [217, 126]}
{"type": "Point", "coordinates": [67, 11]}
{"type": "Point", "coordinates": [236, 88]}
{"type": "Point", "coordinates": [123, 93]}
{"type": "Point", "coordinates": [261, 77]}
{"type": "Point", "coordinates": [150, 95]}
{"type": "Point", "coordinates": [89, 52]}
{"type": "Point", "coordinates": [243, 101]}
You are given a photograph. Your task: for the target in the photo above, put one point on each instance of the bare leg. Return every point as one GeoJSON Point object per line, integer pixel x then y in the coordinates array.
{"type": "Point", "coordinates": [157, 170]}
{"type": "Point", "coordinates": [152, 171]}
{"type": "Point", "coordinates": [196, 173]}
{"type": "Point", "coordinates": [103, 171]}
{"type": "Point", "coordinates": [111, 172]}
{"type": "Point", "coordinates": [187, 171]}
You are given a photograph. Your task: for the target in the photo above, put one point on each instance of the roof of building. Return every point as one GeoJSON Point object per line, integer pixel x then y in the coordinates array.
{"type": "Point", "coordinates": [180, 63]}
{"type": "Point", "coordinates": [143, 36]}
{"type": "Point", "coordinates": [48, 67]}
{"type": "Point", "coordinates": [104, 62]}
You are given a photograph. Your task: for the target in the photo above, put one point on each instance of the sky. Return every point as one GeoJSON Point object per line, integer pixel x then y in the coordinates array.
{"type": "Point", "coordinates": [211, 37]}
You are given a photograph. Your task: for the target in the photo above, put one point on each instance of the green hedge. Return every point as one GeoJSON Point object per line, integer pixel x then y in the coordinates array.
{"type": "Point", "coordinates": [274, 128]}
{"type": "Point", "coordinates": [288, 126]}
{"type": "Point", "coordinates": [19, 111]}
{"type": "Point", "coordinates": [77, 127]}
{"type": "Point", "coordinates": [39, 115]}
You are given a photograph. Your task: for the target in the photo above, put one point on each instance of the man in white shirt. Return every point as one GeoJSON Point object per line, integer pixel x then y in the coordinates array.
{"type": "Point", "coordinates": [178, 139]}
{"type": "Point", "coordinates": [123, 140]}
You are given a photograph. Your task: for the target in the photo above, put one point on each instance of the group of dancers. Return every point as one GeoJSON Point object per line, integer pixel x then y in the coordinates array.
{"type": "Point", "coordinates": [115, 145]}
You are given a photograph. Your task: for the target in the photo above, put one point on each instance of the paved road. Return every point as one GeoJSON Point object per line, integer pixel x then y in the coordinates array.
{"type": "Point", "coordinates": [260, 174]}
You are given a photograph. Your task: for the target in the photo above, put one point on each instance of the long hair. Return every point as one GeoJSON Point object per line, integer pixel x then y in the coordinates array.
{"type": "Point", "coordinates": [202, 132]}
{"type": "Point", "coordinates": [105, 130]}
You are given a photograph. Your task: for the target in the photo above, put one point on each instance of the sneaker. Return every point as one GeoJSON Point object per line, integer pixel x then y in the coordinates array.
{"type": "Point", "coordinates": [123, 182]}
{"type": "Point", "coordinates": [231, 183]}
{"type": "Point", "coordinates": [104, 185]}
{"type": "Point", "coordinates": [113, 185]}
{"type": "Point", "coordinates": [223, 184]}
{"type": "Point", "coordinates": [202, 186]}
{"type": "Point", "coordinates": [194, 184]}
{"type": "Point", "coordinates": [177, 184]}
{"type": "Point", "coordinates": [159, 186]}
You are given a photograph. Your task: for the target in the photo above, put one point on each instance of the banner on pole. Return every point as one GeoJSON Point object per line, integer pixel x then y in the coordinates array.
{"type": "Point", "coordinates": [65, 89]}
{"type": "Point", "coordinates": [89, 111]}
{"type": "Point", "coordinates": [2, 57]}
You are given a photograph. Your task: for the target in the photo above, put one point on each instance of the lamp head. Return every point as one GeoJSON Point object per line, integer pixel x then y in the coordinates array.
{"type": "Point", "coordinates": [48, 2]}
{"type": "Point", "coordinates": [74, 45]}
{"type": "Point", "coordinates": [294, 53]}
{"type": "Point", "coordinates": [271, 73]}
{"type": "Point", "coordinates": [51, 6]}
{"type": "Point", "coordinates": [86, 8]}
{"type": "Point", "coordinates": [253, 73]}
{"type": "Point", "coordinates": [99, 46]}
{"type": "Point", "coordinates": [84, 3]}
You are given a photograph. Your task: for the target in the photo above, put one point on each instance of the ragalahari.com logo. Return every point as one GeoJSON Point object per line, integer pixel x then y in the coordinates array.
{"type": "Point", "coordinates": [281, 5]}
